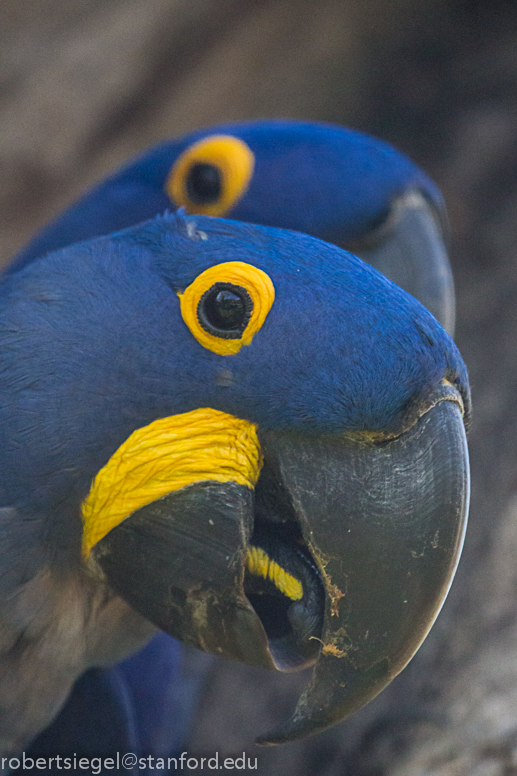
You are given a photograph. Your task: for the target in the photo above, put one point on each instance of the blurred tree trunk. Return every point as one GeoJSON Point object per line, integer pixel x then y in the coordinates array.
{"type": "Point", "coordinates": [86, 83]}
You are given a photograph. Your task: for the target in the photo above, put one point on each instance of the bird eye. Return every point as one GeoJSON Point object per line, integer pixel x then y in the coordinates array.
{"type": "Point", "coordinates": [204, 183]}
{"type": "Point", "coordinates": [226, 305]}
{"type": "Point", "coordinates": [210, 176]}
{"type": "Point", "coordinates": [224, 310]}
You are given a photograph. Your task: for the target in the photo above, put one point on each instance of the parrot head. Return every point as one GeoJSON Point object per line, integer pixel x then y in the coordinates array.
{"type": "Point", "coordinates": [251, 436]}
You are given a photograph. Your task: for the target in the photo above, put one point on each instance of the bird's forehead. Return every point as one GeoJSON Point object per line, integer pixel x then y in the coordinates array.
{"type": "Point", "coordinates": [183, 246]}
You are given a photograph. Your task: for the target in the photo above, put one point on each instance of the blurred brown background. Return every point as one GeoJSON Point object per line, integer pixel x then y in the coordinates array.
{"type": "Point", "coordinates": [84, 84]}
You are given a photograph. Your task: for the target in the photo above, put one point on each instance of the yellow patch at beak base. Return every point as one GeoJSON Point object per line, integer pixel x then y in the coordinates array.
{"type": "Point", "coordinates": [168, 455]}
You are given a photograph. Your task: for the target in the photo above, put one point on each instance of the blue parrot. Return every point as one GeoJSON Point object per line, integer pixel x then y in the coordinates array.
{"type": "Point", "coordinates": [334, 183]}
{"type": "Point", "coordinates": [245, 436]}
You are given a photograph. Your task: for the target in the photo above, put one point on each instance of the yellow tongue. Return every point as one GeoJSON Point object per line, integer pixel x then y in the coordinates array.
{"type": "Point", "coordinates": [167, 455]}
{"type": "Point", "coordinates": [260, 564]}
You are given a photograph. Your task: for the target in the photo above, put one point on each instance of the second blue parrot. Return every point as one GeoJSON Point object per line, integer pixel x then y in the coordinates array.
{"type": "Point", "coordinates": [334, 183]}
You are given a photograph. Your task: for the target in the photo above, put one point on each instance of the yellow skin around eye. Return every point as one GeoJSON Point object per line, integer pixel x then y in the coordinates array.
{"type": "Point", "coordinates": [258, 285]}
{"type": "Point", "coordinates": [230, 155]}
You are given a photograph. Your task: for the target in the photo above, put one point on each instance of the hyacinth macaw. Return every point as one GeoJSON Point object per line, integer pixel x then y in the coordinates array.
{"type": "Point", "coordinates": [334, 183]}
{"type": "Point", "coordinates": [247, 437]}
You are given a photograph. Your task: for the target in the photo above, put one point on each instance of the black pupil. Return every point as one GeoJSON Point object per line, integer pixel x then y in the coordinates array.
{"type": "Point", "coordinates": [224, 310]}
{"type": "Point", "coordinates": [204, 183]}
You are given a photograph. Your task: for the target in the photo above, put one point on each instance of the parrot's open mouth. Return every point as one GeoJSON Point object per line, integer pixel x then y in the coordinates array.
{"type": "Point", "coordinates": [283, 584]}
{"type": "Point", "coordinates": [282, 580]}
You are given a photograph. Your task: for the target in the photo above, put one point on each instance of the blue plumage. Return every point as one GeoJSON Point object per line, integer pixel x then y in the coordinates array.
{"type": "Point", "coordinates": [331, 182]}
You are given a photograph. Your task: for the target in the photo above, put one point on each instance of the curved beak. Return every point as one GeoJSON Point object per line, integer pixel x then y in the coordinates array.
{"type": "Point", "coordinates": [410, 249]}
{"type": "Point", "coordinates": [386, 524]}
{"type": "Point", "coordinates": [372, 530]}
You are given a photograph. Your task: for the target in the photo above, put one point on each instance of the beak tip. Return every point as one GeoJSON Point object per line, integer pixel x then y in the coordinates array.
{"type": "Point", "coordinates": [299, 726]}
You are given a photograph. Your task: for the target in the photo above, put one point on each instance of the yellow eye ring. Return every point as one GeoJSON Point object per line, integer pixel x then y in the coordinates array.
{"type": "Point", "coordinates": [211, 175]}
{"type": "Point", "coordinates": [226, 305]}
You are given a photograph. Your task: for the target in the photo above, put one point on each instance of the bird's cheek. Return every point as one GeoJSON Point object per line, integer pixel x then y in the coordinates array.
{"type": "Point", "coordinates": [168, 521]}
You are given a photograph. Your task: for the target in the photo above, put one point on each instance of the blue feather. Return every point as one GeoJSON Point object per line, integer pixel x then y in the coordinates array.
{"type": "Point", "coordinates": [331, 182]}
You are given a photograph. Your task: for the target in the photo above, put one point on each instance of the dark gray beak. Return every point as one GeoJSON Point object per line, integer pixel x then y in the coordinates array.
{"type": "Point", "coordinates": [410, 249]}
{"type": "Point", "coordinates": [377, 527]}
